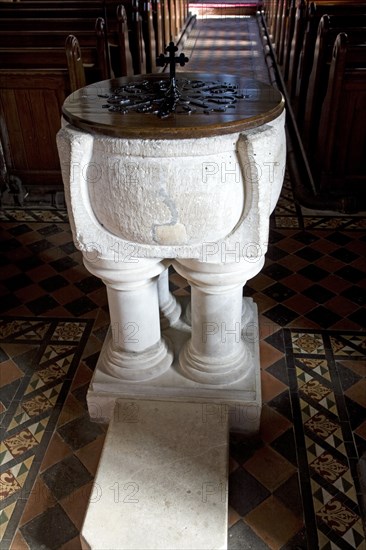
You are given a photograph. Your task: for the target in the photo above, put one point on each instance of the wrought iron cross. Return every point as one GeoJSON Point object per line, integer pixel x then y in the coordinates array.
{"type": "Point", "coordinates": [171, 59]}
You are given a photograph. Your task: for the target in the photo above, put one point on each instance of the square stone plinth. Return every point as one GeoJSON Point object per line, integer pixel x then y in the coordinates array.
{"type": "Point", "coordinates": [240, 401]}
{"type": "Point", "coordinates": [161, 481]}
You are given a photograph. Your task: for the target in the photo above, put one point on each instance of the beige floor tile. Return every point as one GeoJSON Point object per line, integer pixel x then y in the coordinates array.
{"type": "Point", "coordinates": [273, 523]}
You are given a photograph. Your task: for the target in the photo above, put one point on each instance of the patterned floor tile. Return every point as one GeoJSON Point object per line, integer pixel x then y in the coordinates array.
{"type": "Point", "coordinates": [47, 368]}
{"type": "Point", "coordinates": [334, 496]}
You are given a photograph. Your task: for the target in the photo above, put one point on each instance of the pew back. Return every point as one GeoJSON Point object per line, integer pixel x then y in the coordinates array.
{"type": "Point", "coordinates": [342, 136]}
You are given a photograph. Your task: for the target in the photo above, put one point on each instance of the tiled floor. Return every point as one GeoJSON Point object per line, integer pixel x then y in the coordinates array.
{"type": "Point", "coordinates": [294, 486]}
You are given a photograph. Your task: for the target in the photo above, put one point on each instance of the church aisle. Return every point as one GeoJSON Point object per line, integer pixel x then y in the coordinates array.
{"type": "Point", "coordinates": [295, 486]}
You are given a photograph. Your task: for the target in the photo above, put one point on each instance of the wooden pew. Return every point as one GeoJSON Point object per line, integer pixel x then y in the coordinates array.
{"type": "Point", "coordinates": [306, 23]}
{"type": "Point", "coordinates": [352, 15]}
{"type": "Point", "coordinates": [22, 56]}
{"type": "Point", "coordinates": [137, 44]}
{"type": "Point", "coordinates": [172, 20]}
{"type": "Point", "coordinates": [125, 57]}
{"type": "Point", "coordinates": [34, 82]}
{"type": "Point", "coordinates": [296, 45]}
{"type": "Point", "coordinates": [159, 26]}
{"type": "Point", "coordinates": [166, 20]}
{"type": "Point", "coordinates": [75, 63]}
{"type": "Point", "coordinates": [283, 24]}
{"type": "Point", "coordinates": [43, 39]}
{"type": "Point", "coordinates": [341, 144]}
{"type": "Point", "coordinates": [277, 24]}
{"type": "Point", "coordinates": [287, 39]}
{"type": "Point", "coordinates": [55, 24]}
{"type": "Point", "coordinates": [30, 107]}
{"type": "Point", "coordinates": [148, 33]}
{"type": "Point", "coordinates": [329, 28]}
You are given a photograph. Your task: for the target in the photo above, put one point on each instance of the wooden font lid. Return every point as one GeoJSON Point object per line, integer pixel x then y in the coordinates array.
{"type": "Point", "coordinates": [209, 105]}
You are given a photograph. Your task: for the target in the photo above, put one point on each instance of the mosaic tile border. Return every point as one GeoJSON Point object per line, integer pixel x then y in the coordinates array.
{"type": "Point", "coordinates": [327, 453]}
{"type": "Point", "coordinates": [33, 215]}
{"type": "Point", "coordinates": [49, 351]}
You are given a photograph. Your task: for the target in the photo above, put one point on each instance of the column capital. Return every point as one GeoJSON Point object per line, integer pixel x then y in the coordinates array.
{"type": "Point", "coordinates": [214, 278]}
{"type": "Point", "coordinates": [125, 275]}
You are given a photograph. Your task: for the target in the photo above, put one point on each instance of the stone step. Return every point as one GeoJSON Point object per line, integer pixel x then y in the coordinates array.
{"type": "Point", "coordinates": [162, 479]}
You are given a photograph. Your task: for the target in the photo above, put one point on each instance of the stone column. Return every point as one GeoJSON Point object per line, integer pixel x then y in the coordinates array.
{"type": "Point", "coordinates": [135, 350]}
{"type": "Point", "coordinates": [170, 309]}
{"type": "Point", "coordinates": [216, 353]}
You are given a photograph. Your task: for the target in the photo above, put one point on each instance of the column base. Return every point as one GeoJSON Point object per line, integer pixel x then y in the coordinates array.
{"type": "Point", "coordinates": [206, 370]}
{"type": "Point", "coordinates": [240, 401]}
{"type": "Point", "coordinates": [135, 367]}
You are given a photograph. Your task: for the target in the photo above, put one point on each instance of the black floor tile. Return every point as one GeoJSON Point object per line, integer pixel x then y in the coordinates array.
{"type": "Point", "coordinates": [356, 294]}
{"type": "Point", "coordinates": [318, 293]}
{"type": "Point", "coordinates": [63, 263]}
{"type": "Point", "coordinates": [39, 306]}
{"type": "Point", "coordinates": [68, 248]}
{"type": "Point", "coordinates": [9, 302]}
{"type": "Point", "coordinates": [80, 394]}
{"type": "Point", "coordinates": [80, 306]}
{"type": "Point", "coordinates": [339, 238]}
{"type": "Point", "coordinates": [346, 376]}
{"type": "Point", "coordinates": [298, 542]}
{"type": "Point", "coordinates": [289, 494]}
{"type": "Point", "coordinates": [360, 443]}
{"type": "Point", "coordinates": [20, 229]}
{"type": "Point", "coordinates": [279, 370]}
{"type": "Point", "coordinates": [40, 246]}
{"type": "Point", "coordinates": [276, 340]}
{"type": "Point", "coordinates": [282, 404]}
{"type": "Point", "coordinates": [245, 492]}
{"type": "Point", "coordinates": [9, 244]}
{"type": "Point", "coordinates": [275, 237]}
{"type": "Point", "coordinates": [66, 476]}
{"type": "Point", "coordinates": [359, 317]}
{"type": "Point", "coordinates": [323, 317]}
{"type": "Point", "coordinates": [89, 284]}
{"type": "Point", "coordinates": [274, 253]}
{"type": "Point", "coordinates": [54, 283]}
{"type": "Point", "coordinates": [27, 360]}
{"type": "Point", "coordinates": [3, 356]}
{"type": "Point", "coordinates": [50, 530]}
{"type": "Point", "coordinates": [351, 274]}
{"type": "Point", "coordinates": [242, 537]}
{"type": "Point", "coordinates": [356, 413]}
{"type": "Point", "coordinates": [248, 291]}
{"type": "Point", "coordinates": [308, 254]}
{"type": "Point", "coordinates": [276, 272]}
{"type": "Point", "coordinates": [305, 237]}
{"type": "Point", "coordinates": [286, 446]}
{"type": "Point", "coordinates": [49, 230]}
{"type": "Point", "coordinates": [279, 292]}
{"type": "Point", "coordinates": [17, 282]}
{"type": "Point", "coordinates": [243, 448]}
{"type": "Point", "coordinates": [313, 273]}
{"type": "Point", "coordinates": [281, 315]}
{"type": "Point", "coordinates": [80, 432]}
{"type": "Point", "coordinates": [26, 264]}
{"type": "Point", "coordinates": [345, 255]}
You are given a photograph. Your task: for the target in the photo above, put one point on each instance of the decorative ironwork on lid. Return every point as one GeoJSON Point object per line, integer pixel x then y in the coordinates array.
{"type": "Point", "coordinates": [182, 96]}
